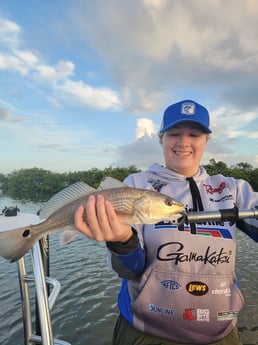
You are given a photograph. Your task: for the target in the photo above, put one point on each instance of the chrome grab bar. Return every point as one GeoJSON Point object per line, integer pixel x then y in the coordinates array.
{"type": "Point", "coordinates": [55, 291]}
{"type": "Point", "coordinates": [45, 303]}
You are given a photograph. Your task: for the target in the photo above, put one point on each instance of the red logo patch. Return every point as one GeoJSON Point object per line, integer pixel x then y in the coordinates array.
{"type": "Point", "coordinates": [211, 190]}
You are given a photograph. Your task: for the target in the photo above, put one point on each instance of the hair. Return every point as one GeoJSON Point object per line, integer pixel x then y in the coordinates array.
{"type": "Point", "coordinates": [160, 135]}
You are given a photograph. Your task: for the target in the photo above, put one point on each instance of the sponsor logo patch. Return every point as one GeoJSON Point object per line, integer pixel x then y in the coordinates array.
{"type": "Point", "coordinates": [197, 288]}
{"type": "Point", "coordinates": [170, 285]}
{"type": "Point", "coordinates": [227, 315]}
{"type": "Point", "coordinates": [226, 292]}
{"type": "Point", "coordinates": [157, 184]}
{"type": "Point", "coordinates": [203, 231]}
{"type": "Point", "coordinates": [211, 190]}
{"type": "Point", "coordinates": [174, 251]}
{"type": "Point", "coordinates": [200, 315]}
{"type": "Point", "coordinates": [161, 310]}
{"type": "Point", "coordinates": [188, 108]}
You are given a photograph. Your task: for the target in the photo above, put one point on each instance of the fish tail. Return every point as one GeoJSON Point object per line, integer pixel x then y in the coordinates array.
{"type": "Point", "coordinates": [15, 243]}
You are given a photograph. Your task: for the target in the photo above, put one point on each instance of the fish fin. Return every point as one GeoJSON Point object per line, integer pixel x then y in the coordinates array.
{"type": "Point", "coordinates": [64, 197]}
{"type": "Point", "coordinates": [68, 235]}
{"type": "Point", "coordinates": [110, 182]}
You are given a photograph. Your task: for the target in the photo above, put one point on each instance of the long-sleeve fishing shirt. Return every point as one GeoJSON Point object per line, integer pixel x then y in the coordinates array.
{"type": "Point", "coordinates": [179, 281]}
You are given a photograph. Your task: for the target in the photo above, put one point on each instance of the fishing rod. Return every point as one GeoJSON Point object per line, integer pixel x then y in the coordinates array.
{"type": "Point", "coordinates": [223, 215]}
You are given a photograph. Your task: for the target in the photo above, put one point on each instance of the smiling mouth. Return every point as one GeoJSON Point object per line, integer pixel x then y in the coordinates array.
{"type": "Point", "coordinates": [183, 153]}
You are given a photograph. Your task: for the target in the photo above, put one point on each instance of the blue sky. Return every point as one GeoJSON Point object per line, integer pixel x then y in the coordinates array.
{"type": "Point", "coordinates": [84, 83]}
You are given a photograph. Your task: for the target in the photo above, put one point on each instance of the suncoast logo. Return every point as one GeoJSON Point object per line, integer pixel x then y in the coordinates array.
{"type": "Point", "coordinates": [174, 251]}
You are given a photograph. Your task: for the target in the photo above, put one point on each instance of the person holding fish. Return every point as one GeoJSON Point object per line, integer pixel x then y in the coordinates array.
{"type": "Point", "coordinates": [178, 280]}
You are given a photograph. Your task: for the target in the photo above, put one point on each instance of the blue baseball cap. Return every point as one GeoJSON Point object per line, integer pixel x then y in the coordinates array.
{"type": "Point", "coordinates": [185, 111]}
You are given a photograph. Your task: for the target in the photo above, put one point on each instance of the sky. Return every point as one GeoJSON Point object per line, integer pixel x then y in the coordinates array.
{"type": "Point", "coordinates": [84, 84]}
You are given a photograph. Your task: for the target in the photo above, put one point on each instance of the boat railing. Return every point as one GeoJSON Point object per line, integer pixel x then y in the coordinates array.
{"type": "Point", "coordinates": [44, 302]}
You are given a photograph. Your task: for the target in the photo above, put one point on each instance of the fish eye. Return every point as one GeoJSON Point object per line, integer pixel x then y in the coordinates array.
{"type": "Point", "coordinates": [169, 202]}
{"type": "Point", "coordinates": [26, 233]}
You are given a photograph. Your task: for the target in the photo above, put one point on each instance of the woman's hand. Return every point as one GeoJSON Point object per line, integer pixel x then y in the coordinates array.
{"type": "Point", "coordinates": [99, 221]}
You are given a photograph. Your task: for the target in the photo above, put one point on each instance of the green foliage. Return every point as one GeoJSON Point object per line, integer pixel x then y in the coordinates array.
{"type": "Point", "coordinates": [215, 168]}
{"type": "Point", "coordinates": [241, 170]}
{"type": "Point", "coordinates": [32, 183]}
{"type": "Point", "coordinates": [39, 184]}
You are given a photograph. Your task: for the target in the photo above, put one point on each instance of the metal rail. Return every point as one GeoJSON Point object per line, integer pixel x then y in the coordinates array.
{"type": "Point", "coordinates": [45, 303]}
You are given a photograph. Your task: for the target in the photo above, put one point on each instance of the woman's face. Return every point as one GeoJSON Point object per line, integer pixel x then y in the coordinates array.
{"type": "Point", "coordinates": [183, 147]}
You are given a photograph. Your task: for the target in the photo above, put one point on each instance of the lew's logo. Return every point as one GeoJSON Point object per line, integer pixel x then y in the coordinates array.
{"type": "Point", "coordinates": [197, 288]}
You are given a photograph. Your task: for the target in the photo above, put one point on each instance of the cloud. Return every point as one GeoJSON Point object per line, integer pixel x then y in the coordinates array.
{"type": "Point", "coordinates": [56, 77]}
{"type": "Point", "coordinates": [85, 95]}
{"type": "Point", "coordinates": [132, 56]}
{"type": "Point", "coordinates": [144, 127]}
{"type": "Point", "coordinates": [232, 123]}
{"type": "Point", "coordinates": [9, 33]}
{"type": "Point", "coordinates": [174, 45]}
{"type": "Point", "coordinates": [61, 71]}
{"type": "Point", "coordinates": [12, 63]}
{"type": "Point", "coordinates": [8, 116]}
{"type": "Point", "coordinates": [4, 114]}
{"type": "Point", "coordinates": [142, 152]}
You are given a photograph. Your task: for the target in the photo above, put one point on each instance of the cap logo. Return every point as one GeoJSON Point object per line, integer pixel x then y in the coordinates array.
{"type": "Point", "coordinates": [188, 108]}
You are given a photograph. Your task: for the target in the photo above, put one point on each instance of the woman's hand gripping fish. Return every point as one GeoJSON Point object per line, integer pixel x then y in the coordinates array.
{"type": "Point", "coordinates": [132, 205]}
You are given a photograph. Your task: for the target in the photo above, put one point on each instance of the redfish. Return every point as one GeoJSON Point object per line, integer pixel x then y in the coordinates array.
{"type": "Point", "coordinates": [132, 205]}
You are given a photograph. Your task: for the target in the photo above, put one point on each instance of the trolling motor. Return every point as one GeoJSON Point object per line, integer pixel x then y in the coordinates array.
{"type": "Point", "coordinates": [228, 215]}
{"type": "Point", "coordinates": [10, 211]}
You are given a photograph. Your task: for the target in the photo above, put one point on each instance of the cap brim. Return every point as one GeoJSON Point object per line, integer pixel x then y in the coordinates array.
{"type": "Point", "coordinates": [204, 128]}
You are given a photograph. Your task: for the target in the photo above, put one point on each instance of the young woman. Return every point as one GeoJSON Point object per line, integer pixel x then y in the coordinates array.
{"type": "Point", "coordinates": [178, 281]}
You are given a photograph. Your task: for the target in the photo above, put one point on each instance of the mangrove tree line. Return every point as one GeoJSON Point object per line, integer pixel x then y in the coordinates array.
{"type": "Point", "coordinates": [40, 184]}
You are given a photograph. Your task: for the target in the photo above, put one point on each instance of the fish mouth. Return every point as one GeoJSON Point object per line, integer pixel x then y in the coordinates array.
{"type": "Point", "coordinates": [182, 217]}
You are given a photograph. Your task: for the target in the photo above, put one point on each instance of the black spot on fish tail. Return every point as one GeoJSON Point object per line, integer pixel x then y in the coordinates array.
{"type": "Point", "coordinates": [26, 233]}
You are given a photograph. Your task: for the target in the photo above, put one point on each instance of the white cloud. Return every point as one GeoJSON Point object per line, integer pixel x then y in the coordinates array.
{"type": "Point", "coordinates": [61, 71]}
{"type": "Point", "coordinates": [151, 52]}
{"type": "Point", "coordinates": [175, 45]}
{"type": "Point", "coordinates": [55, 77]}
{"type": "Point", "coordinates": [26, 56]}
{"type": "Point", "coordinates": [9, 32]}
{"type": "Point", "coordinates": [145, 127]}
{"type": "Point", "coordinates": [12, 63]}
{"type": "Point", "coordinates": [85, 95]}
{"type": "Point", "coordinates": [253, 135]}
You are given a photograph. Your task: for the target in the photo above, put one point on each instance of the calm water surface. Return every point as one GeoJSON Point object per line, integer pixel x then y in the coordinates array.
{"type": "Point", "coordinates": [85, 311]}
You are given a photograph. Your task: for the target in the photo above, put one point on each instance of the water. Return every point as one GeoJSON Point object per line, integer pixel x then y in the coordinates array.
{"type": "Point", "coordinates": [85, 311]}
